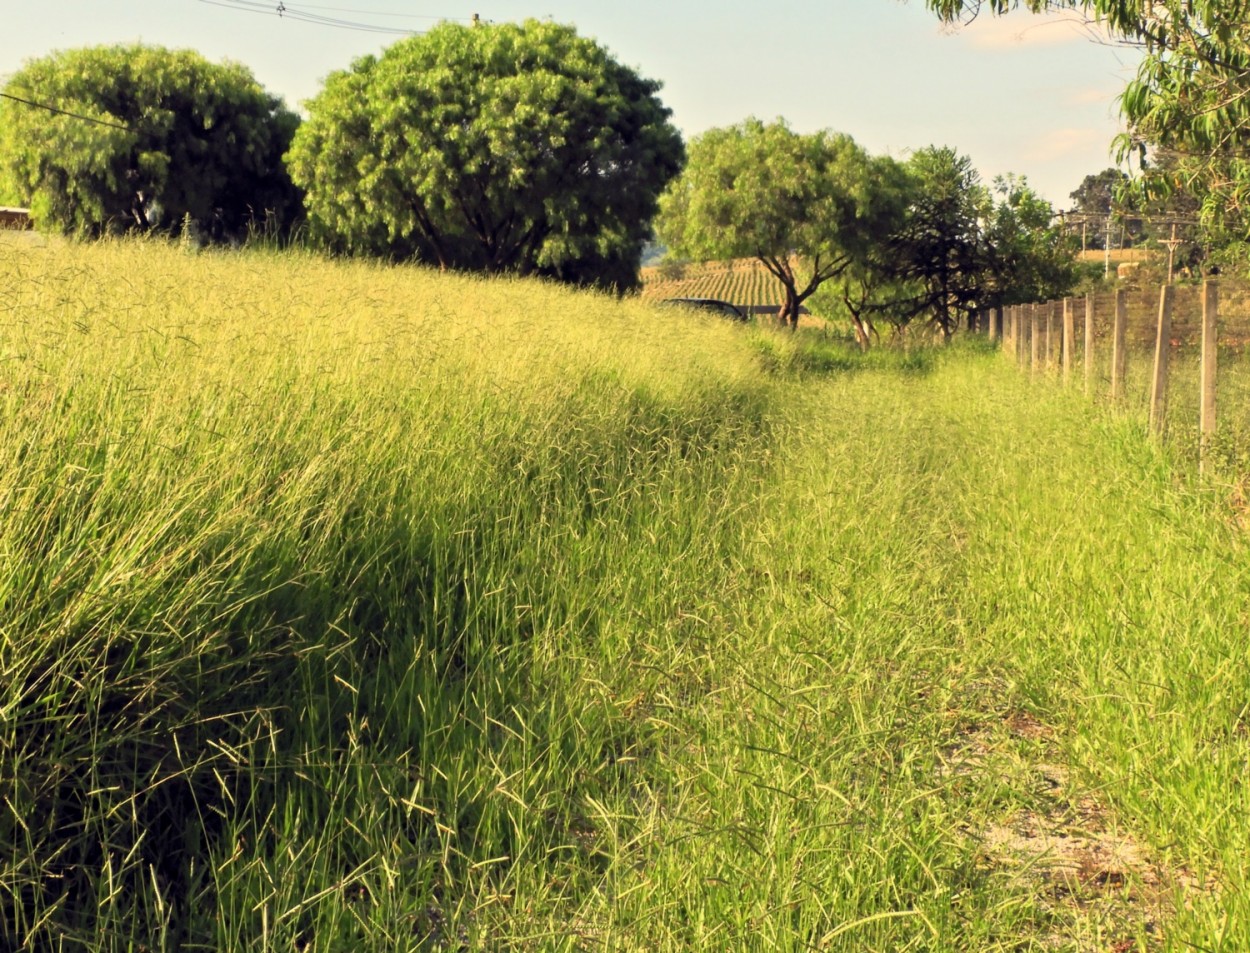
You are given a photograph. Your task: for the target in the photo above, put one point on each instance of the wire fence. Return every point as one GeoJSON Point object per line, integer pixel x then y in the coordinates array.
{"type": "Point", "coordinates": [1176, 355]}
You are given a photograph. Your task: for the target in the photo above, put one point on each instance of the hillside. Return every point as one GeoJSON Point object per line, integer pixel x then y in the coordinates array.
{"type": "Point", "coordinates": [350, 607]}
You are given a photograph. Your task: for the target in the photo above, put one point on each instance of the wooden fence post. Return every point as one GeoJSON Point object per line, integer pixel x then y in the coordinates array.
{"type": "Point", "coordinates": [1163, 345]}
{"type": "Point", "coordinates": [1050, 336]}
{"type": "Point", "coordinates": [1210, 329]}
{"type": "Point", "coordinates": [1024, 336]}
{"type": "Point", "coordinates": [1119, 354]}
{"type": "Point", "coordinates": [1033, 340]}
{"type": "Point", "coordinates": [996, 320]}
{"type": "Point", "coordinates": [1069, 336]}
{"type": "Point", "coordinates": [1089, 343]}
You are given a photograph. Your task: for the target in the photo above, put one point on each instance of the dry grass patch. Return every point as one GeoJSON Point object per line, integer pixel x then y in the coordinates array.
{"type": "Point", "coordinates": [1101, 886]}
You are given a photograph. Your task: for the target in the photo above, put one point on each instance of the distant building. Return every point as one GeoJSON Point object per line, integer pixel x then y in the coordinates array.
{"type": "Point", "coordinates": [15, 217]}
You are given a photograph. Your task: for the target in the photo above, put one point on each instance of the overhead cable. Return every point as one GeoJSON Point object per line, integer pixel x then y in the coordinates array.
{"type": "Point", "coordinates": [65, 112]}
{"type": "Point", "coordinates": [300, 14]}
{"type": "Point", "coordinates": [378, 13]}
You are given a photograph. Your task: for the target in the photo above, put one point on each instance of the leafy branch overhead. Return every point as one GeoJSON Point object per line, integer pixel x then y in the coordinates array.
{"type": "Point", "coordinates": [1190, 99]}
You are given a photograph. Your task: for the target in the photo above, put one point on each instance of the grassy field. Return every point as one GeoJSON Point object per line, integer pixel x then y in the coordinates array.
{"type": "Point", "coordinates": [359, 608]}
{"type": "Point", "coordinates": [1119, 255]}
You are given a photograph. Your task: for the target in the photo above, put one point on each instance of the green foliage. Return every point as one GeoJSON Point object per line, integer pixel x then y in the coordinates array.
{"type": "Point", "coordinates": [814, 353]}
{"type": "Point", "coordinates": [1029, 257]}
{"type": "Point", "coordinates": [317, 603]}
{"type": "Point", "coordinates": [804, 353]}
{"type": "Point", "coordinates": [1102, 199]}
{"type": "Point", "coordinates": [10, 190]}
{"type": "Point", "coordinates": [939, 248]}
{"type": "Point", "coordinates": [1093, 276]}
{"type": "Point", "coordinates": [503, 148]}
{"type": "Point", "coordinates": [1100, 193]}
{"type": "Point", "coordinates": [864, 236]}
{"type": "Point", "coordinates": [175, 136]}
{"type": "Point", "coordinates": [964, 247]}
{"type": "Point", "coordinates": [809, 207]}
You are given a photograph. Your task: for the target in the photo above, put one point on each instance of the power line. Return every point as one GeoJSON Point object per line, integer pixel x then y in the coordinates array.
{"type": "Point", "coordinates": [288, 13]}
{"type": "Point", "coordinates": [299, 14]}
{"type": "Point", "coordinates": [378, 13]}
{"type": "Point", "coordinates": [63, 112]}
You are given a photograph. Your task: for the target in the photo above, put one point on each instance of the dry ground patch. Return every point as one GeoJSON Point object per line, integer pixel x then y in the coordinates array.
{"type": "Point", "coordinates": [1102, 885]}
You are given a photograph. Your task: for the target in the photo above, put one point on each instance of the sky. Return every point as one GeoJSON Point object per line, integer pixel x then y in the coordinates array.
{"type": "Point", "coordinates": [1034, 96]}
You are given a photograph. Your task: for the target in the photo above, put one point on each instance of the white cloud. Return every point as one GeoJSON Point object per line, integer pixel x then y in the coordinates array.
{"type": "Point", "coordinates": [1092, 95]}
{"type": "Point", "coordinates": [1064, 143]}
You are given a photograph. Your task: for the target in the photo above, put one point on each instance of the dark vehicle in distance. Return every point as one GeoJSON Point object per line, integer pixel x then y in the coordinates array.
{"type": "Point", "coordinates": [714, 305]}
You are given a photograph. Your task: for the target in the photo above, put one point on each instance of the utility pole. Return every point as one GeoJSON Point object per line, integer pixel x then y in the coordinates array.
{"type": "Point", "coordinates": [1171, 243]}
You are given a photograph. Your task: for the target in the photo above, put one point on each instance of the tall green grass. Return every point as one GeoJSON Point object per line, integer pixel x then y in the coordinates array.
{"type": "Point", "coordinates": [359, 608]}
{"type": "Point", "coordinates": [317, 583]}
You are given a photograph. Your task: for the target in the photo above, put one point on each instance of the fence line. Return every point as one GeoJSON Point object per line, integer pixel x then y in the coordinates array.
{"type": "Point", "coordinates": [1181, 316]}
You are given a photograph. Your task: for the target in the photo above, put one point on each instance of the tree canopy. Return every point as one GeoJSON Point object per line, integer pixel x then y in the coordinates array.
{"type": "Point", "coordinates": [862, 233]}
{"type": "Point", "coordinates": [521, 148]}
{"type": "Point", "coordinates": [156, 135]}
{"type": "Point", "coordinates": [959, 247]}
{"type": "Point", "coordinates": [1028, 256]}
{"type": "Point", "coordinates": [1190, 98]}
{"type": "Point", "coordinates": [809, 207]}
{"type": "Point", "coordinates": [1102, 198]}
{"type": "Point", "coordinates": [964, 246]}
{"type": "Point", "coordinates": [939, 248]}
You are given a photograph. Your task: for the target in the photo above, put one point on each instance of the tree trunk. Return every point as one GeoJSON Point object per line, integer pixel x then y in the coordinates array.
{"type": "Point", "coordinates": [788, 316]}
{"type": "Point", "coordinates": [945, 321]}
{"type": "Point", "coordinates": [783, 271]}
{"type": "Point", "coordinates": [138, 212]}
{"type": "Point", "coordinates": [862, 337]}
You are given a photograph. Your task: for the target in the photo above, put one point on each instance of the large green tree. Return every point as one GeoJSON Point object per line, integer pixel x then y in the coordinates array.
{"type": "Point", "coordinates": [1190, 97]}
{"type": "Point", "coordinates": [142, 137]}
{"type": "Point", "coordinates": [500, 148]}
{"type": "Point", "coordinates": [940, 249]}
{"type": "Point", "coordinates": [1102, 203]}
{"type": "Point", "coordinates": [960, 247]}
{"type": "Point", "coordinates": [809, 207]}
{"type": "Point", "coordinates": [1028, 255]}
